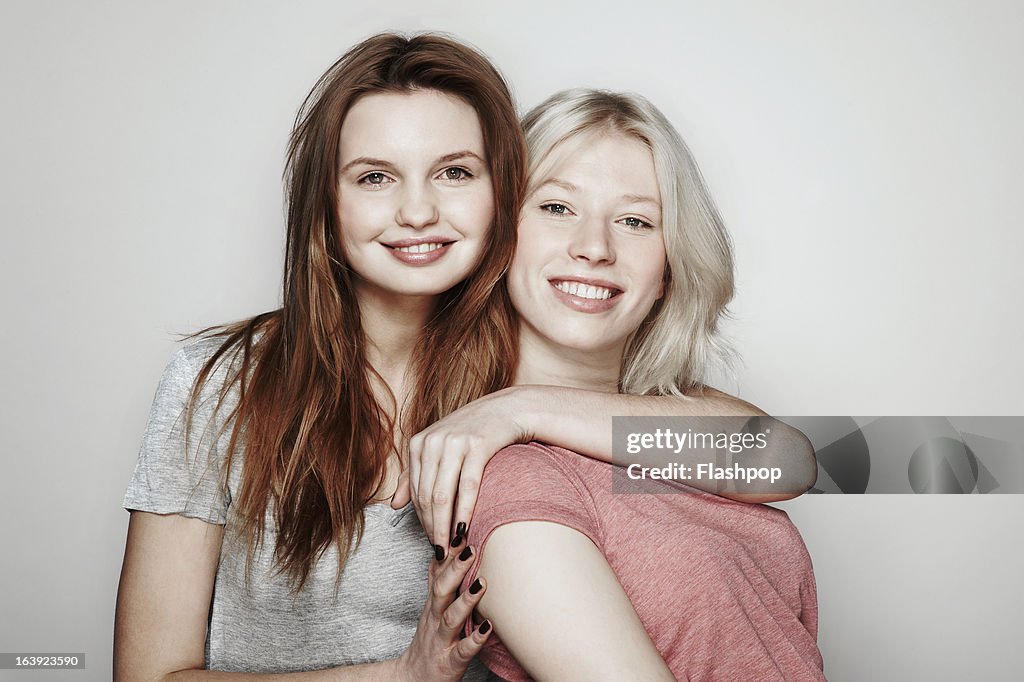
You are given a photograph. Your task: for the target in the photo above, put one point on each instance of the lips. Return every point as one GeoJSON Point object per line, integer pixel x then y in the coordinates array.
{"type": "Point", "coordinates": [586, 294]}
{"type": "Point", "coordinates": [402, 243]}
{"type": "Point", "coordinates": [426, 247]}
{"type": "Point", "coordinates": [584, 290]}
{"type": "Point", "coordinates": [419, 251]}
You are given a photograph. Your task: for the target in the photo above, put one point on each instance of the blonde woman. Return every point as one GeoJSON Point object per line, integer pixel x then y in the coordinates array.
{"type": "Point", "coordinates": [669, 582]}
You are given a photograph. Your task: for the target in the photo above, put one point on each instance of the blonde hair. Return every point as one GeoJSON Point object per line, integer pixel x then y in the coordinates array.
{"type": "Point", "coordinates": [672, 349]}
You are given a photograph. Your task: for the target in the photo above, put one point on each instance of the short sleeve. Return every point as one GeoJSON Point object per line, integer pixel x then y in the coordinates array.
{"type": "Point", "coordinates": [528, 482]}
{"type": "Point", "coordinates": [175, 474]}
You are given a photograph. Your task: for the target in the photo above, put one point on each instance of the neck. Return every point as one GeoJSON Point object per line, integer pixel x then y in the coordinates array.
{"type": "Point", "coordinates": [543, 362]}
{"type": "Point", "coordinates": [392, 325]}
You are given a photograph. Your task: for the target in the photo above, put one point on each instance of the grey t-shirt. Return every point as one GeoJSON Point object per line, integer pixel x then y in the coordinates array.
{"type": "Point", "coordinates": [265, 628]}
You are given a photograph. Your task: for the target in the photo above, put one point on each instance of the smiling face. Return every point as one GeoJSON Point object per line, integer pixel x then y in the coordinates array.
{"type": "Point", "coordinates": [415, 194]}
{"type": "Point", "coordinates": [590, 259]}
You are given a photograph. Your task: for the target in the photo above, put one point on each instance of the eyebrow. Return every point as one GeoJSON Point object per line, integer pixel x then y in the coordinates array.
{"type": "Point", "coordinates": [364, 161]}
{"type": "Point", "coordinates": [465, 153]}
{"type": "Point", "coordinates": [633, 198]}
{"type": "Point", "coordinates": [564, 184]}
{"type": "Point", "coordinates": [641, 199]}
{"type": "Point", "coordinates": [381, 163]}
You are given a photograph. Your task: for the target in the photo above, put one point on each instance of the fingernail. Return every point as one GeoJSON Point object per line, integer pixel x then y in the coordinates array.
{"type": "Point", "coordinates": [439, 552]}
{"type": "Point", "coordinates": [475, 587]}
{"type": "Point", "coordinates": [460, 529]}
{"type": "Point", "coordinates": [457, 541]}
{"type": "Point", "coordinates": [485, 627]}
{"type": "Point", "coordinates": [466, 553]}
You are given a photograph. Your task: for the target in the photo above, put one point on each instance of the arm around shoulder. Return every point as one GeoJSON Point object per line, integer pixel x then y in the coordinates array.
{"type": "Point", "coordinates": [584, 425]}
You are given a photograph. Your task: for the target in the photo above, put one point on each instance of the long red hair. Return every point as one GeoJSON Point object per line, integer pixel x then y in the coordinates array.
{"type": "Point", "coordinates": [314, 439]}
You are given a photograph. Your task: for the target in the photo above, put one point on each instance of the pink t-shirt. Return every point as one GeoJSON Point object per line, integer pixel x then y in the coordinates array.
{"type": "Point", "coordinates": [724, 589]}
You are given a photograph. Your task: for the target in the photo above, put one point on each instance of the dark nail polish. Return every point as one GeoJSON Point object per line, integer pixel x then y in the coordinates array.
{"type": "Point", "coordinates": [475, 587]}
{"type": "Point", "coordinates": [485, 627]}
{"type": "Point", "coordinates": [457, 541]}
{"type": "Point", "coordinates": [439, 552]}
{"type": "Point", "coordinates": [466, 553]}
{"type": "Point", "coordinates": [460, 528]}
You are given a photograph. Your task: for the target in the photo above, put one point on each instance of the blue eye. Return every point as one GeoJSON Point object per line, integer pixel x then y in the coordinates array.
{"type": "Point", "coordinates": [555, 209]}
{"type": "Point", "coordinates": [636, 223]}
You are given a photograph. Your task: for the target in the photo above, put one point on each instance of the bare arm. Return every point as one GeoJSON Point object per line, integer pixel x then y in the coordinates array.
{"type": "Point", "coordinates": [584, 425]}
{"type": "Point", "coordinates": [163, 603]}
{"type": "Point", "coordinates": [448, 458]}
{"type": "Point", "coordinates": [559, 609]}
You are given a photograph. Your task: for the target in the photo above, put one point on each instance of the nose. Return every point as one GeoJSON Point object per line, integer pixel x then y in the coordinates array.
{"type": "Point", "coordinates": [591, 242]}
{"type": "Point", "coordinates": [417, 207]}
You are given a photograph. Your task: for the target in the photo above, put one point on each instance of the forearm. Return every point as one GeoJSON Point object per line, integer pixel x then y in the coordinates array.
{"type": "Point", "coordinates": [581, 421]}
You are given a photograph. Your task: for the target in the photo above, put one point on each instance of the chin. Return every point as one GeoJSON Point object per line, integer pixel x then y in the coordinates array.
{"type": "Point", "coordinates": [584, 341]}
{"type": "Point", "coordinates": [405, 286]}
{"type": "Point", "coordinates": [431, 290]}
{"type": "Point", "coordinates": [426, 283]}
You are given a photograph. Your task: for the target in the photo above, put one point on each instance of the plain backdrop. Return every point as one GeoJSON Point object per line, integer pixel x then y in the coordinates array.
{"type": "Point", "coordinates": [867, 158]}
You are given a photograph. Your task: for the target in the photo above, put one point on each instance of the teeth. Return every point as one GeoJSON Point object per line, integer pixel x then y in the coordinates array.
{"type": "Point", "coordinates": [420, 248]}
{"type": "Point", "coordinates": [583, 290]}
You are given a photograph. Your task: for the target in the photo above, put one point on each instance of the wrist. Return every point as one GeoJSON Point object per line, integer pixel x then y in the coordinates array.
{"type": "Point", "coordinates": [399, 669]}
{"type": "Point", "coordinates": [521, 408]}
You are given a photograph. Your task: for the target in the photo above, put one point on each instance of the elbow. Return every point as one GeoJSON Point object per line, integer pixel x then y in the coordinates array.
{"type": "Point", "coordinates": [807, 464]}
{"type": "Point", "coordinates": [143, 672]}
{"type": "Point", "coordinates": [792, 455]}
{"type": "Point", "coordinates": [801, 472]}
{"type": "Point", "coordinates": [140, 657]}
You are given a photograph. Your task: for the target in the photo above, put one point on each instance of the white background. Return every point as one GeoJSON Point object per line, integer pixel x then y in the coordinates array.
{"type": "Point", "coordinates": [867, 158]}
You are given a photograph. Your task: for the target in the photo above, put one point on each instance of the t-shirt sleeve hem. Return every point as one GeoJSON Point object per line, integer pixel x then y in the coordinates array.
{"type": "Point", "coordinates": [132, 503]}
